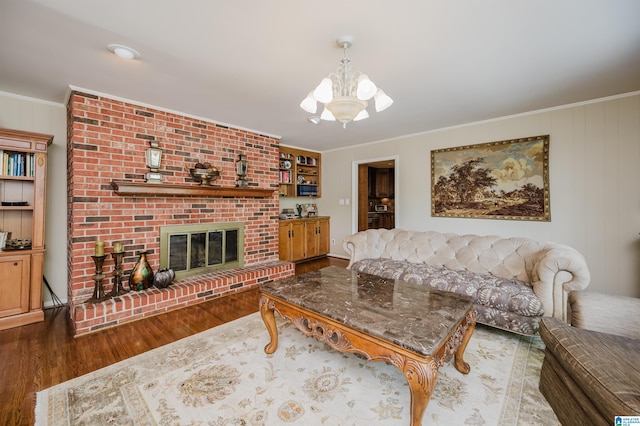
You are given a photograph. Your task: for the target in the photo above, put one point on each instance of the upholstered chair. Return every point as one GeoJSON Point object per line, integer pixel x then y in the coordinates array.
{"type": "Point", "coordinates": [591, 369]}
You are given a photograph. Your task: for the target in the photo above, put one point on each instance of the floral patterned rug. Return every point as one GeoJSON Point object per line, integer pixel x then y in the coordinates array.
{"type": "Point", "coordinates": [223, 377]}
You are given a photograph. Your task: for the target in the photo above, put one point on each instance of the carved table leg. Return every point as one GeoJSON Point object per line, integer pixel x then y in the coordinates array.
{"type": "Point", "coordinates": [422, 379]}
{"type": "Point", "coordinates": [266, 311]}
{"type": "Point", "coordinates": [460, 364]}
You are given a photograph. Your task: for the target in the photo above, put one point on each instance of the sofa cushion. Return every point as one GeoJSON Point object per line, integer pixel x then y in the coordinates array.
{"type": "Point", "coordinates": [605, 366]}
{"type": "Point", "coordinates": [509, 295]}
{"type": "Point", "coordinates": [507, 320]}
{"type": "Point", "coordinates": [499, 293]}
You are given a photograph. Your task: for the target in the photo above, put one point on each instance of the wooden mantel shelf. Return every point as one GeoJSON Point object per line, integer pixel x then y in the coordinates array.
{"type": "Point", "coordinates": [165, 189]}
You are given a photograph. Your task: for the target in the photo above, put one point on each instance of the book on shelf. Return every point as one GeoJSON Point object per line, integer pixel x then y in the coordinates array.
{"type": "Point", "coordinates": [285, 176]}
{"type": "Point", "coordinates": [17, 164]}
{"type": "Point", "coordinates": [307, 191]}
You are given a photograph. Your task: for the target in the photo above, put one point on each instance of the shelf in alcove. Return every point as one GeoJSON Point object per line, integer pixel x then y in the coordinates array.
{"type": "Point", "coordinates": [166, 189]}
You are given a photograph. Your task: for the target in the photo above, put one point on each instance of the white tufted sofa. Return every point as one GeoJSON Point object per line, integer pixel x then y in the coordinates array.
{"type": "Point", "coordinates": [515, 281]}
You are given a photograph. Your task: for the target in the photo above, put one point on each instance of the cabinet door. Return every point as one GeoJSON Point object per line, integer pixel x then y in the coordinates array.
{"type": "Point", "coordinates": [14, 285]}
{"type": "Point", "coordinates": [317, 234]}
{"type": "Point", "coordinates": [297, 240]}
{"type": "Point", "coordinates": [382, 183]}
{"type": "Point", "coordinates": [323, 236]}
{"type": "Point", "coordinates": [374, 221]}
{"type": "Point", "coordinates": [311, 237]}
{"type": "Point", "coordinates": [387, 221]}
{"type": "Point", "coordinates": [292, 241]}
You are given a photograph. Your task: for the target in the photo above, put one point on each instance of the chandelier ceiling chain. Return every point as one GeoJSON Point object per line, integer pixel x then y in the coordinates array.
{"type": "Point", "coordinates": [345, 93]}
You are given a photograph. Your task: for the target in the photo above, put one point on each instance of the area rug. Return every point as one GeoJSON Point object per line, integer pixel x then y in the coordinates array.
{"type": "Point", "coordinates": [222, 377]}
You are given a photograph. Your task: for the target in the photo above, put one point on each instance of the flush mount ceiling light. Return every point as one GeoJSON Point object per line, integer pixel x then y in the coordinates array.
{"type": "Point", "coordinates": [124, 52]}
{"type": "Point", "coordinates": [345, 93]}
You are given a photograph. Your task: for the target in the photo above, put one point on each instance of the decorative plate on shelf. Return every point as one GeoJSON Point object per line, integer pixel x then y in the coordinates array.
{"type": "Point", "coordinates": [286, 164]}
{"type": "Point", "coordinates": [18, 244]}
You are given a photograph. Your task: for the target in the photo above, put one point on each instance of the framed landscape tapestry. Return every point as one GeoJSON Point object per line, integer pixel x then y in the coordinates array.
{"type": "Point", "coordinates": [496, 180]}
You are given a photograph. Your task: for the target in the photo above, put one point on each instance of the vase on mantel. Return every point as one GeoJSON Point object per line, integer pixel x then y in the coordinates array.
{"type": "Point", "coordinates": [141, 277]}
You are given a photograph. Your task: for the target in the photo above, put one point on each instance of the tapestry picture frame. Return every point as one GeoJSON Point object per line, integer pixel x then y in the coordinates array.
{"type": "Point", "coordinates": [506, 180]}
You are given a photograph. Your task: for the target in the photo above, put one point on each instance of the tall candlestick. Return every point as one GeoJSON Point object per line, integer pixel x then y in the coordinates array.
{"type": "Point", "coordinates": [117, 247]}
{"type": "Point", "coordinates": [99, 248]}
{"type": "Point", "coordinates": [117, 288]}
{"type": "Point", "coordinates": [98, 289]}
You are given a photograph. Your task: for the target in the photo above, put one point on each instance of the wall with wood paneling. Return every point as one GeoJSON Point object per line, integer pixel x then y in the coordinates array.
{"type": "Point", "coordinates": [594, 184]}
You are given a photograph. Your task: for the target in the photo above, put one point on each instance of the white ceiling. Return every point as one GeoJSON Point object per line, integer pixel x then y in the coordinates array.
{"type": "Point", "coordinates": [249, 63]}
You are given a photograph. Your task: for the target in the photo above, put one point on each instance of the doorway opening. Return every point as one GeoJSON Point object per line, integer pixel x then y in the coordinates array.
{"type": "Point", "coordinates": [376, 187]}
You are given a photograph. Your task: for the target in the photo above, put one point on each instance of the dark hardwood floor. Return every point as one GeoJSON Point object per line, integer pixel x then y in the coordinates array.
{"type": "Point", "coordinates": [37, 356]}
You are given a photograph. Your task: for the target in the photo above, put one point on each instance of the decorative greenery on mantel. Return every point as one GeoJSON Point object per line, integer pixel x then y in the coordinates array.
{"type": "Point", "coordinates": [164, 189]}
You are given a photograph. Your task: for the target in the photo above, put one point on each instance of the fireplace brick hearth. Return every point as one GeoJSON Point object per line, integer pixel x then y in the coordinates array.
{"type": "Point", "coordinates": [107, 140]}
{"type": "Point", "coordinates": [188, 291]}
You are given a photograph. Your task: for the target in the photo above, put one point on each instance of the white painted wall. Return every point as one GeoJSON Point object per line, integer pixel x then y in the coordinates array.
{"type": "Point", "coordinates": [594, 173]}
{"type": "Point", "coordinates": [32, 115]}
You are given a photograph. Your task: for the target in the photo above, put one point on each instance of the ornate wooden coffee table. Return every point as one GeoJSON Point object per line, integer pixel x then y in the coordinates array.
{"type": "Point", "coordinates": [413, 327]}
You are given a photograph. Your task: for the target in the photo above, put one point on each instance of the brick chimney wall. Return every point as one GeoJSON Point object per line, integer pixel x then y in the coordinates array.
{"type": "Point", "coordinates": [107, 140]}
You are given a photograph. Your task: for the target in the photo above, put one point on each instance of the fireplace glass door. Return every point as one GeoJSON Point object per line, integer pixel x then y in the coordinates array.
{"type": "Point", "coordinates": [194, 249]}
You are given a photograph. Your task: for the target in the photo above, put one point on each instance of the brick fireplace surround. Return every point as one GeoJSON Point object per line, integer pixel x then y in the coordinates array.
{"type": "Point", "coordinates": [107, 140]}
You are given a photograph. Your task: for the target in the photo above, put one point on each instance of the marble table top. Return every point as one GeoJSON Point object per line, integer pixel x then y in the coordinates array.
{"type": "Point", "coordinates": [412, 316]}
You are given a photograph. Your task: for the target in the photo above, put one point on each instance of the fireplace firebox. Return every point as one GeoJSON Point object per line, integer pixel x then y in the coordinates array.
{"type": "Point", "coordinates": [198, 249]}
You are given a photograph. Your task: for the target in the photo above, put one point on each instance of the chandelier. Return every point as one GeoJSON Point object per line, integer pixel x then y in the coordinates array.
{"type": "Point", "coordinates": [345, 93]}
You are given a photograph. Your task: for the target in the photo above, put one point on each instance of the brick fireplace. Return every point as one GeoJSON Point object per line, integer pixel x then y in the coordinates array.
{"type": "Point", "coordinates": [108, 200]}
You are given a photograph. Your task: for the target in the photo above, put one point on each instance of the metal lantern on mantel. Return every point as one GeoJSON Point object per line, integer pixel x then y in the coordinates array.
{"type": "Point", "coordinates": [153, 157]}
{"type": "Point", "coordinates": [242, 167]}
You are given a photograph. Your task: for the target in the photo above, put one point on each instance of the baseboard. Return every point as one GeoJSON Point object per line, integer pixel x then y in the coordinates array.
{"type": "Point", "coordinates": [338, 256]}
{"type": "Point", "coordinates": [49, 304]}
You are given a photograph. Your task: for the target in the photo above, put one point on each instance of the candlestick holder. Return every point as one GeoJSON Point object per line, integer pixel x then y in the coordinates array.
{"type": "Point", "coordinates": [118, 288]}
{"type": "Point", "coordinates": [98, 289]}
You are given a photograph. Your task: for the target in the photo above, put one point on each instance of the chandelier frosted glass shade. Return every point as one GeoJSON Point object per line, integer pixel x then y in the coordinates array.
{"type": "Point", "coordinates": [346, 108]}
{"type": "Point", "coordinates": [324, 92]}
{"type": "Point", "coordinates": [345, 93]}
{"type": "Point", "coordinates": [382, 101]}
{"type": "Point", "coordinates": [309, 104]}
{"type": "Point", "coordinates": [366, 89]}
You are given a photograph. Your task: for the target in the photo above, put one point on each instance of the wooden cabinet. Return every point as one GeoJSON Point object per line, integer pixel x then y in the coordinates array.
{"type": "Point", "coordinates": [388, 221]}
{"type": "Point", "coordinates": [384, 183]}
{"type": "Point", "coordinates": [302, 239]}
{"type": "Point", "coordinates": [299, 174]}
{"type": "Point", "coordinates": [381, 220]}
{"type": "Point", "coordinates": [292, 240]}
{"type": "Point", "coordinates": [317, 237]}
{"type": "Point", "coordinates": [23, 172]}
{"type": "Point", "coordinates": [14, 285]}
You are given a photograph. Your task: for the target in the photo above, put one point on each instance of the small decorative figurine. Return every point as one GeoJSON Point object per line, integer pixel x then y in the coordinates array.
{"type": "Point", "coordinates": [163, 278]}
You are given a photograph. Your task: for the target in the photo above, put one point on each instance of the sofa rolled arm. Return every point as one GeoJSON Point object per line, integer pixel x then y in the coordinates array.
{"type": "Point", "coordinates": [558, 270]}
{"type": "Point", "coordinates": [367, 244]}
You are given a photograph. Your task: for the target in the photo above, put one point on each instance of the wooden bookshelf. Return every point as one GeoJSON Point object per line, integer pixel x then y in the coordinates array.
{"type": "Point", "coordinates": [300, 173]}
{"type": "Point", "coordinates": [22, 189]}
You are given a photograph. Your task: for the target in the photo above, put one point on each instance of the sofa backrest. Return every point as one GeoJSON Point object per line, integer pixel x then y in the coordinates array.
{"type": "Point", "coordinates": [502, 257]}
